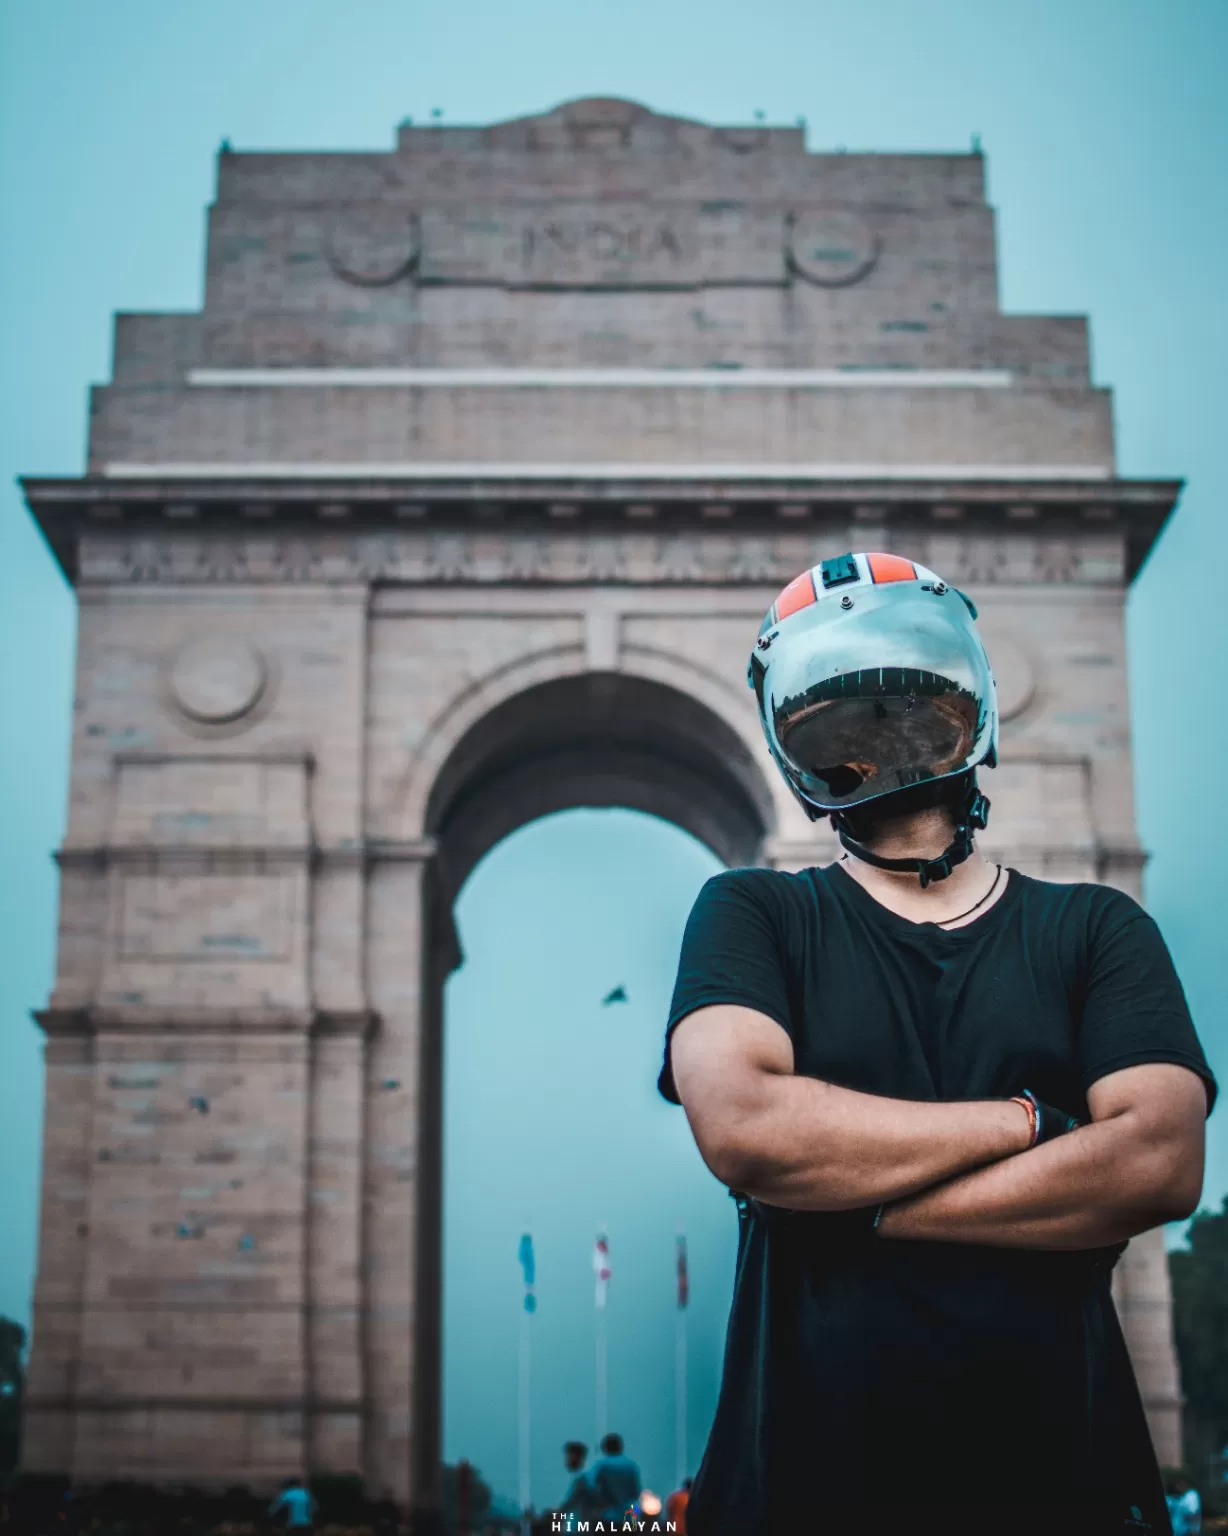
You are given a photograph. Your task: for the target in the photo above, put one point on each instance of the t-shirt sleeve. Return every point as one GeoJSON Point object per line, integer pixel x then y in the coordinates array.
{"type": "Point", "coordinates": [733, 952]}
{"type": "Point", "coordinates": [1134, 1007]}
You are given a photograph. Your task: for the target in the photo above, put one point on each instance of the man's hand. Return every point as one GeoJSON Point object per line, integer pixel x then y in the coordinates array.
{"type": "Point", "coordinates": [1139, 1163]}
{"type": "Point", "coordinates": [808, 1145]}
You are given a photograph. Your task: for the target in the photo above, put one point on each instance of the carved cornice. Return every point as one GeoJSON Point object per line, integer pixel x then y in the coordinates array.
{"type": "Point", "coordinates": [696, 558]}
{"type": "Point", "coordinates": [1120, 858]}
{"type": "Point", "coordinates": [419, 851]}
{"type": "Point", "coordinates": [203, 858]}
{"type": "Point", "coordinates": [178, 499]}
{"type": "Point", "coordinates": [288, 756]}
{"type": "Point", "coordinates": [139, 1403]}
{"type": "Point", "coordinates": [357, 1023]}
{"type": "Point", "coordinates": [469, 530]}
{"type": "Point", "coordinates": [92, 1019]}
{"type": "Point", "coordinates": [57, 1023]}
{"type": "Point", "coordinates": [191, 858]}
{"type": "Point", "coordinates": [152, 1019]}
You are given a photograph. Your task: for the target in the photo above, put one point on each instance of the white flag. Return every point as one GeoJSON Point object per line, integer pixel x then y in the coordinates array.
{"type": "Point", "coordinates": [601, 1266]}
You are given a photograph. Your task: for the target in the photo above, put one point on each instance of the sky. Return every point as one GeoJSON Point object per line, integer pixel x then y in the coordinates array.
{"type": "Point", "coordinates": [1105, 133]}
{"type": "Point", "coordinates": [580, 1141]}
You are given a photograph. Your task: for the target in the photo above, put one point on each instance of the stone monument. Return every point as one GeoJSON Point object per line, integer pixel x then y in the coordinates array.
{"type": "Point", "coordinates": [460, 502]}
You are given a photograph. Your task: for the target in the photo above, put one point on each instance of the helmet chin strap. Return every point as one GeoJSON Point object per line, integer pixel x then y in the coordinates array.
{"type": "Point", "coordinates": [975, 815]}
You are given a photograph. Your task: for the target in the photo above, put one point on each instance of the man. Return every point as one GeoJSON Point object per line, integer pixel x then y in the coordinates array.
{"type": "Point", "coordinates": [944, 1094]}
{"type": "Point", "coordinates": [616, 1479]}
{"type": "Point", "coordinates": [294, 1507]}
{"type": "Point", "coordinates": [580, 1501]}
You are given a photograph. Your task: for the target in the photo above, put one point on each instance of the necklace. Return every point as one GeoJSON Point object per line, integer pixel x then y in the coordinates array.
{"type": "Point", "coordinates": [961, 915]}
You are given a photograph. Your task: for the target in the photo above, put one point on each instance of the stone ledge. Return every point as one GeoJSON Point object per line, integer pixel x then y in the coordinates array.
{"type": "Point", "coordinates": [94, 1019]}
{"type": "Point", "coordinates": [101, 500]}
{"type": "Point", "coordinates": [204, 857]}
{"type": "Point", "coordinates": [255, 1404]}
{"type": "Point", "coordinates": [302, 519]}
{"type": "Point", "coordinates": [295, 757]}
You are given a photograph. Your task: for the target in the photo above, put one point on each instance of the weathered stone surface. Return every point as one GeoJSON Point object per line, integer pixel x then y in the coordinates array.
{"type": "Point", "coordinates": [601, 556]}
{"type": "Point", "coordinates": [344, 627]}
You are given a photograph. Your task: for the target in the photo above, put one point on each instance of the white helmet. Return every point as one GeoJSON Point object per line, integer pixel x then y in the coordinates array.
{"type": "Point", "coordinates": [872, 679]}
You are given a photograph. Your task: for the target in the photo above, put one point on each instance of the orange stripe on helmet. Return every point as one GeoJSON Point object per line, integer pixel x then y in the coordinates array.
{"type": "Point", "coordinates": [799, 593]}
{"type": "Point", "coordinates": [891, 568]}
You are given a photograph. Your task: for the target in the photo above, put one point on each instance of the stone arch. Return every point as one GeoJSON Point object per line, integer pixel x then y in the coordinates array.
{"type": "Point", "coordinates": [545, 736]}
{"type": "Point", "coordinates": [597, 739]}
{"type": "Point", "coordinates": [733, 721]}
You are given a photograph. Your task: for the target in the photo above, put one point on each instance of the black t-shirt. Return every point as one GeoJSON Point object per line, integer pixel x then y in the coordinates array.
{"type": "Point", "coordinates": [873, 1379]}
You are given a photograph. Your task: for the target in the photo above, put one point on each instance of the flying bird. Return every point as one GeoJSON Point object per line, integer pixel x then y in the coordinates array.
{"type": "Point", "coordinates": [618, 995]}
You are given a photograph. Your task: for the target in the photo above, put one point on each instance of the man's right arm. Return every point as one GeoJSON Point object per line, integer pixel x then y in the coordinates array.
{"type": "Point", "coordinates": [808, 1145]}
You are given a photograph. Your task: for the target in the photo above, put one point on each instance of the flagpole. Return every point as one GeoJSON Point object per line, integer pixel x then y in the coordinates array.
{"type": "Point", "coordinates": [683, 1299]}
{"type": "Point", "coordinates": [529, 1265]}
{"type": "Point", "coordinates": [525, 1480]}
{"type": "Point", "coordinates": [680, 1398]}
{"type": "Point", "coordinates": [601, 1268]}
{"type": "Point", "coordinates": [601, 1375]}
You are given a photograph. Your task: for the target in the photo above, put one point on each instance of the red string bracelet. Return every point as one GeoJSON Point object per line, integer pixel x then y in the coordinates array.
{"type": "Point", "coordinates": [1033, 1117]}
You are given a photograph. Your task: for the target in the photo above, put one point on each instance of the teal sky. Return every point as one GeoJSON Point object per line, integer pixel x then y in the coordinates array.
{"type": "Point", "coordinates": [553, 1124]}
{"type": "Point", "coordinates": [1106, 135]}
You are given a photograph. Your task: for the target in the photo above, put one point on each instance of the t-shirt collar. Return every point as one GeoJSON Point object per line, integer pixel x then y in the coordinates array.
{"type": "Point", "coordinates": [849, 889]}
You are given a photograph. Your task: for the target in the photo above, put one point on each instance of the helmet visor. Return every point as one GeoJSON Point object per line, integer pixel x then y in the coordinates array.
{"type": "Point", "coordinates": [848, 732]}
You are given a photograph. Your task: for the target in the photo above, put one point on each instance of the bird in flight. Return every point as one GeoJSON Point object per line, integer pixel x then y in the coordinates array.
{"type": "Point", "coordinates": [618, 995]}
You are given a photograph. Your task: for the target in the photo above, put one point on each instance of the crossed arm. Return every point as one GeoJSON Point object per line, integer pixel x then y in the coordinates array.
{"type": "Point", "coordinates": [947, 1172]}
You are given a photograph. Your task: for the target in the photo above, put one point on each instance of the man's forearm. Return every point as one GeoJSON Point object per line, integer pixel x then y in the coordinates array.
{"type": "Point", "coordinates": [1098, 1185]}
{"type": "Point", "coordinates": [809, 1145]}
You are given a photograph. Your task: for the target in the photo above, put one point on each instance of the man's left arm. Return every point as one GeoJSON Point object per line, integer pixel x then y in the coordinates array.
{"type": "Point", "coordinates": [1137, 1164]}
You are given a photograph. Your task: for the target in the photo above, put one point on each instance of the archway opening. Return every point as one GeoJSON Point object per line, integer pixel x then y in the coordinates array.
{"type": "Point", "coordinates": [598, 739]}
{"type": "Point", "coordinates": [576, 823]}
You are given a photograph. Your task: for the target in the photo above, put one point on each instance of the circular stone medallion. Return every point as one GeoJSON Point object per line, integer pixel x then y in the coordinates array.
{"type": "Point", "coordinates": [832, 247]}
{"type": "Point", "coordinates": [373, 247]}
{"type": "Point", "coordinates": [1013, 675]}
{"type": "Point", "coordinates": [218, 678]}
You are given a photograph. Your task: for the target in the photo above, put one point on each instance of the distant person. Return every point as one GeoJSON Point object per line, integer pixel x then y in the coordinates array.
{"type": "Point", "coordinates": [294, 1508]}
{"type": "Point", "coordinates": [616, 1479]}
{"type": "Point", "coordinates": [675, 1507]}
{"type": "Point", "coordinates": [1184, 1507]}
{"type": "Point", "coordinates": [580, 1501]}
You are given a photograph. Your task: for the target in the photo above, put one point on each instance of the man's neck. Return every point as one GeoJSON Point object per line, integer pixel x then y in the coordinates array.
{"type": "Point", "coordinates": [925, 836]}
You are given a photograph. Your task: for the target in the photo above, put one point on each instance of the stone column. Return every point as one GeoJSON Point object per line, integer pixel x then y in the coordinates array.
{"type": "Point", "coordinates": [62, 1248]}
{"type": "Point", "coordinates": [1144, 1300]}
{"type": "Point", "coordinates": [335, 1138]}
{"type": "Point", "coordinates": [1141, 1287]}
{"type": "Point", "coordinates": [400, 1184]}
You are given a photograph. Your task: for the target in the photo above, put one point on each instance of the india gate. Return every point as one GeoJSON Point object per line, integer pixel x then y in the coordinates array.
{"type": "Point", "coordinates": [459, 503]}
